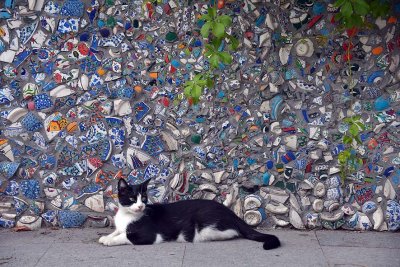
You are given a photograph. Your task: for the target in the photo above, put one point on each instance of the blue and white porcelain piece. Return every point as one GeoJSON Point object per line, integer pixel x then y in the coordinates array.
{"type": "Point", "coordinates": [118, 161]}
{"type": "Point", "coordinates": [112, 41]}
{"type": "Point", "coordinates": [104, 149]}
{"type": "Point", "coordinates": [5, 223]}
{"type": "Point", "coordinates": [276, 104]}
{"type": "Point", "coordinates": [50, 217]}
{"type": "Point", "coordinates": [71, 219]}
{"type": "Point", "coordinates": [8, 169]}
{"type": "Point", "coordinates": [89, 190]}
{"type": "Point", "coordinates": [153, 145]}
{"type": "Point", "coordinates": [52, 8]}
{"type": "Point", "coordinates": [96, 133]}
{"type": "Point", "coordinates": [151, 171]}
{"type": "Point", "coordinates": [69, 183]}
{"type": "Point", "coordinates": [6, 96]}
{"type": "Point", "coordinates": [42, 101]}
{"type": "Point", "coordinates": [47, 161]}
{"type": "Point", "coordinates": [140, 109]}
{"type": "Point", "coordinates": [30, 188]}
{"type": "Point", "coordinates": [25, 33]}
{"type": "Point", "coordinates": [369, 207]}
{"type": "Point", "coordinates": [31, 122]}
{"type": "Point", "coordinates": [12, 188]}
{"type": "Point", "coordinates": [20, 206]}
{"type": "Point", "coordinates": [393, 215]}
{"type": "Point", "coordinates": [68, 25]}
{"type": "Point", "coordinates": [135, 177]}
{"type": "Point", "coordinates": [117, 136]}
{"type": "Point", "coordinates": [73, 8]}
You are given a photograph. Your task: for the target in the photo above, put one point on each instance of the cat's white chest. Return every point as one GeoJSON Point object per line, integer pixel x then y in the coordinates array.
{"type": "Point", "coordinates": [122, 220]}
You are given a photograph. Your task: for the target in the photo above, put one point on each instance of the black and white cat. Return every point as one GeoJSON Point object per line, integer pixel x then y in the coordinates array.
{"type": "Point", "coordinates": [184, 221]}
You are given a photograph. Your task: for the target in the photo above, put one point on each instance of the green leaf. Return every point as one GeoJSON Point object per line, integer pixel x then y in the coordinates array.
{"type": "Point", "coordinates": [356, 20]}
{"type": "Point", "coordinates": [206, 17]}
{"type": "Point", "coordinates": [212, 12]}
{"type": "Point", "coordinates": [214, 61]}
{"type": "Point", "coordinates": [205, 29]}
{"type": "Point", "coordinates": [361, 7]}
{"type": "Point", "coordinates": [218, 30]}
{"type": "Point", "coordinates": [210, 83]}
{"type": "Point", "coordinates": [379, 9]}
{"type": "Point", "coordinates": [226, 57]}
{"type": "Point", "coordinates": [187, 91]}
{"type": "Point", "coordinates": [202, 83]}
{"type": "Point", "coordinates": [338, 16]}
{"type": "Point", "coordinates": [348, 120]}
{"type": "Point", "coordinates": [226, 20]}
{"type": "Point", "coordinates": [346, 9]}
{"type": "Point", "coordinates": [339, 3]}
{"type": "Point", "coordinates": [234, 43]}
{"type": "Point", "coordinates": [358, 140]}
{"type": "Point", "coordinates": [196, 78]}
{"type": "Point", "coordinates": [209, 47]}
{"type": "Point", "coordinates": [354, 130]}
{"type": "Point", "coordinates": [348, 22]}
{"type": "Point", "coordinates": [196, 92]}
{"type": "Point", "coordinates": [216, 43]}
{"type": "Point", "coordinates": [342, 158]}
{"type": "Point", "coordinates": [360, 125]}
{"type": "Point", "coordinates": [347, 139]}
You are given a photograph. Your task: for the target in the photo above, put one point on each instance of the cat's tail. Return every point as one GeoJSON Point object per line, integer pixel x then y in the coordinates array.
{"type": "Point", "coordinates": [270, 241]}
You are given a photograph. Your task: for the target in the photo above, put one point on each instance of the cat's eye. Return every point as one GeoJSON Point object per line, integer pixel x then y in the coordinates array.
{"type": "Point", "coordinates": [144, 199]}
{"type": "Point", "coordinates": [132, 199]}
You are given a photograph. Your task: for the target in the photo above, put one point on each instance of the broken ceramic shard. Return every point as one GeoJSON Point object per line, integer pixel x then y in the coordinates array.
{"type": "Point", "coordinates": [252, 217]}
{"type": "Point", "coordinates": [295, 219]}
{"type": "Point", "coordinates": [276, 209]}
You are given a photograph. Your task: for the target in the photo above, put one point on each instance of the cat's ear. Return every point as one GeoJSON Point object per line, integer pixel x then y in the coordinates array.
{"type": "Point", "coordinates": [122, 185]}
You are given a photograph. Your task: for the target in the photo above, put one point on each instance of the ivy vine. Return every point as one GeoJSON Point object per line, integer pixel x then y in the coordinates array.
{"type": "Point", "coordinates": [352, 15]}
{"type": "Point", "coordinates": [348, 159]}
{"type": "Point", "coordinates": [214, 29]}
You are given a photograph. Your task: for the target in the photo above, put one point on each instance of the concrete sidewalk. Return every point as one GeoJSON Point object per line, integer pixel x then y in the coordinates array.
{"type": "Point", "coordinates": [79, 247]}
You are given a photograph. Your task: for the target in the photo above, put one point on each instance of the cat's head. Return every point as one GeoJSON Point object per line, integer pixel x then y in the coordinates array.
{"type": "Point", "coordinates": [132, 198]}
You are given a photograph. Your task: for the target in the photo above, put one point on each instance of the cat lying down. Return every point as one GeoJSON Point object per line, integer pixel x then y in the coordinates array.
{"type": "Point", "coordinates": [183, 221]}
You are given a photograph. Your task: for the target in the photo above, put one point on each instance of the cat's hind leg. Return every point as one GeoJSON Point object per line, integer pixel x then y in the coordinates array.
{"type": "Point", "coordinates": [211, 233]}
{"type": "Point", "coordinates": [117, 240]}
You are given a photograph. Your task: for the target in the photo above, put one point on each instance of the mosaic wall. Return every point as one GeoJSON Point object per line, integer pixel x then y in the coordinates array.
{"type": "Point", "coordinates": [91, 91]}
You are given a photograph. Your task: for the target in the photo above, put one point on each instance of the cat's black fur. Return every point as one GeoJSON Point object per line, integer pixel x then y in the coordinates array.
{"type": "Point", "coordinates": [185, 217]}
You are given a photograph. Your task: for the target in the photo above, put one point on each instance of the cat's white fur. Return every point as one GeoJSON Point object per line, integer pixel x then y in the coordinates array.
{"type": "Point", "coordinates": [127, 215]}
{"type": "Point", "coordinates": [124, 216]}
{"type": "Point", "coordinates": [209, 233]}
{"type": "Point", "coordinates": [159, 239]}
{"type": "Point", "coordinates": [181, 238]}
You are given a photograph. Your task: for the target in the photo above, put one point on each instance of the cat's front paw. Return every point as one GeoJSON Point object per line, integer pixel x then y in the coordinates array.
{"type": "Point", "coordinates": [108, 242]}
{"type": "Point", "coordinates": [103, 239]}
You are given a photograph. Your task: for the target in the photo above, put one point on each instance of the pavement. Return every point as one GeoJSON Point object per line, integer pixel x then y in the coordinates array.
{"type": "Point", "coordinates": [79, 247]}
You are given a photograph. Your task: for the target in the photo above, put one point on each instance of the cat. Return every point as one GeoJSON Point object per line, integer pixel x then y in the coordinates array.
{"type": "Point", "coordinates": [183, 221]}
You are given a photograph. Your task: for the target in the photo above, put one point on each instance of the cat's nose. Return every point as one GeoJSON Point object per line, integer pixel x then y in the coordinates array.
{"type": "Point", "coordinates": [141, 207]}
